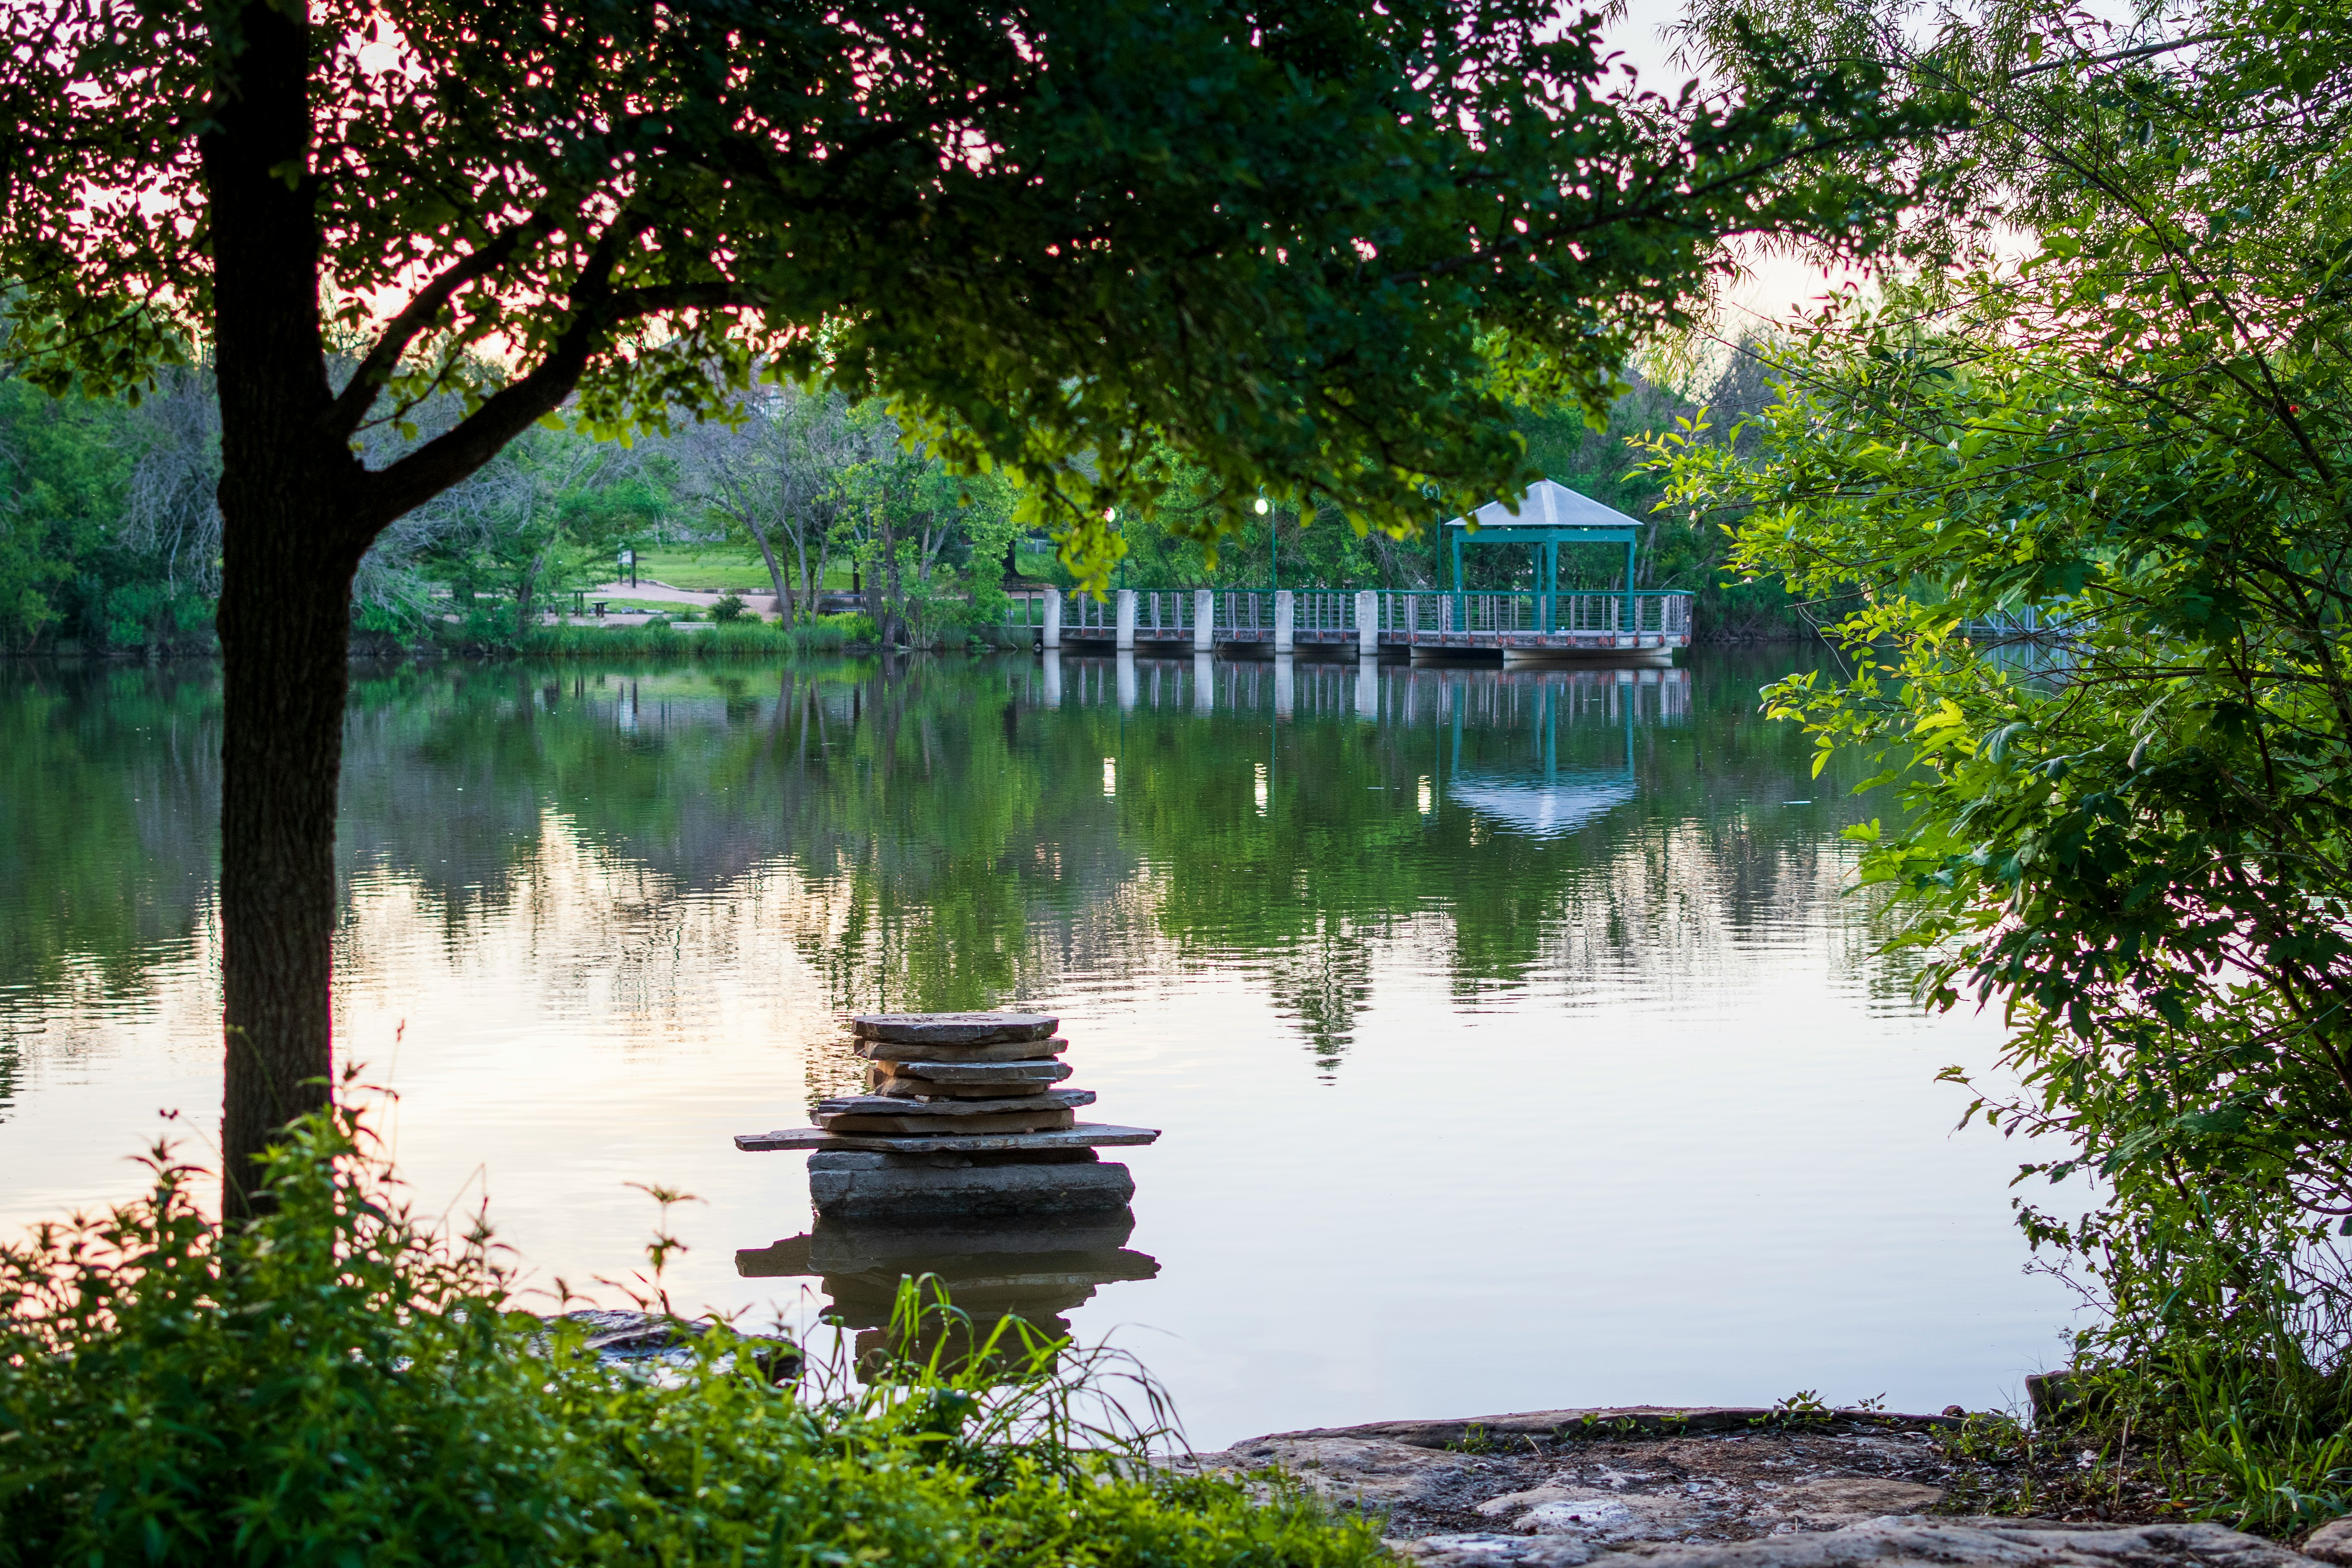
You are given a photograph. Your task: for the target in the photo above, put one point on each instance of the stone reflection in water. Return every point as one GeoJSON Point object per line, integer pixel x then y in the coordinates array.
{"type": "Point", "coordinates": [1036, 1268]}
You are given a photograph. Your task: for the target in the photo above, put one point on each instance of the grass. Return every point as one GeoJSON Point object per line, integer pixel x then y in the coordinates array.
{"type": "Point", "coordinates": [718, 569]}
{"type": "Point", "coordinates": [335, 1384]}
{"type": "Point", "coordinates": [2199, 1436]}
{"type": "Point", "coordinates": [636, 606]}
{"type": "Point", "coordinates": [738, 640]}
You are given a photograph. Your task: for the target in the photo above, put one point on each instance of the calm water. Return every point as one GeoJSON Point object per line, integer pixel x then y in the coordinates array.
{"type": "Point", "coordinates": [1514, 1044]}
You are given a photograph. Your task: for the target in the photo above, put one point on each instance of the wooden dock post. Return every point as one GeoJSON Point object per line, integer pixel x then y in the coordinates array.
{"type": "Point", "coordinates": [1204, 621]}
{"type": "Point", "coordinates": [1051, 637]}
{"type": "Point", "coordinates": [1368, 624]}
{"type": "Point", "coordinates": [1283, 620]}
{"type": "Point", "coordinates": [1123, 640]}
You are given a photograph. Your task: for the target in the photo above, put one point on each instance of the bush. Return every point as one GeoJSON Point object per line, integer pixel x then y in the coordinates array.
{"type": "Point", "coordinates": [334, 1385]}
{"type": "Point", "coordinates": [815, 634]}
{"type": "Point", "coordinates": [727, 608]}
{"type": "Point", "coordinates": [738, 640]}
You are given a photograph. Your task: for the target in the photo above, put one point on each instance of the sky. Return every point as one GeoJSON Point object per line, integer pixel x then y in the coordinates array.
{"type": "Point", "coordinates": [1771, 286]}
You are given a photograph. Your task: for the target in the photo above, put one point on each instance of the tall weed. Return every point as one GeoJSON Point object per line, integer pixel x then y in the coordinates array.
{"type": "Point", "coordinates": [729, 639]}
{"type": "Point", "coordinates": [333, 1383]}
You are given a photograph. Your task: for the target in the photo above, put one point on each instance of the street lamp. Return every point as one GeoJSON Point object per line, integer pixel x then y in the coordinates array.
{"type": "Point", "coordinates": [1274, 537]}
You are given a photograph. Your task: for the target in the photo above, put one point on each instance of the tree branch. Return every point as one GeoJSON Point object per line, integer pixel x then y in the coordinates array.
{"type": "Point", "coordinates": [343, 415]}
{"type": "Point", "coordinates": [507, 412]}
{"type": "Point", "coordinates": [2118, 56]}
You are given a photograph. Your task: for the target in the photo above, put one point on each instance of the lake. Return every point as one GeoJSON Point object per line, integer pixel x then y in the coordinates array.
{"type": "Point", "coordinates": [1515, 1042]}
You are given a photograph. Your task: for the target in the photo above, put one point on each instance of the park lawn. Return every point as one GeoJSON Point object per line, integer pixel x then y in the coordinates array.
{"type": "Point", "coordinates": [719, 568]}
{"type": "Point", "coordinates": [711, 571]}
{"type": "Point", "coordinates": [669, 607]}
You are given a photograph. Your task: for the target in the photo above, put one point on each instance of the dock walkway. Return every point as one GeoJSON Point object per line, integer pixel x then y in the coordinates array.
{"type": "Point", "coordinates": [1641, 626]}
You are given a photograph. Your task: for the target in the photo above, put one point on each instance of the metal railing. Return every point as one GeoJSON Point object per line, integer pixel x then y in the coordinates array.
{"type": "Point", "coordinates": [1243, 615]}
{"type": "Point", "coordinates": [1164, 615]}
{"type": "Point", "coordinates": [1664, 613]}
{"type": "Point", "coordinates": [1326, 616]}
{"type": "Point", "coordinates": [1319, 614]}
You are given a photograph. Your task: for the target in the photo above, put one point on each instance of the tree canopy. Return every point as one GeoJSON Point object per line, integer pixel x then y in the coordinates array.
{"type": "Point", "coordinates": [1043, 233]}
{"type": "Point", "coordinates": [2129, 828]}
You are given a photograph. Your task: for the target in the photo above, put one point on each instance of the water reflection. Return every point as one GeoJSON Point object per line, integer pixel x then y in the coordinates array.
{"type": "Point", "coordinates": [1036, 1268]}
{"type": "Point", "coordinates": [930, 835]}
{"type": "Point", "coordinates": [1545, 968]}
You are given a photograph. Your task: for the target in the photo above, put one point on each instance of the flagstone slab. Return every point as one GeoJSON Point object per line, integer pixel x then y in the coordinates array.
{"type": "Point", "coordinates": [1007, 1121]}
{"type": "Point", "coordinates": [999, 1051]}
{"type": "Point", "coordinates": [1083, 1135]}
{"type": "Point", "coordinates": [895, 1105]}
{"type": "Point", "coordinates": [953, 1028]}
{"type": "Point", "coordinates": [983, 1073]}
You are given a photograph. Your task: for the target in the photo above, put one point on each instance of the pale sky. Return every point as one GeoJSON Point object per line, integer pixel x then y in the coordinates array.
{"type": "Point", "coordinates": [1773, 285]}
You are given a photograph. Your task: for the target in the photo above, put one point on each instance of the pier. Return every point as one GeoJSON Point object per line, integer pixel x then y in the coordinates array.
{"type": "Point", "coordinates": [1542, 623]}
{"type": "Point", "coordinates": [1521, 626]}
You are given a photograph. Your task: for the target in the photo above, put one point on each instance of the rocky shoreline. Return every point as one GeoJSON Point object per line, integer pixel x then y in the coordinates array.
{"type": "Point", "coordinates": [1717, 1487]}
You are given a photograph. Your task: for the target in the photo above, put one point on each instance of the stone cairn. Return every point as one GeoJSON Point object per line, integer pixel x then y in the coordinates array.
{"type": "Point", "coordinates": [962, 1117]}
{"type": "Point", "coordinates": [1037, 1269]}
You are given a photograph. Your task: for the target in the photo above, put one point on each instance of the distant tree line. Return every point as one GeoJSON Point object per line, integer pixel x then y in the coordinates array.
{"type": "Point", "coordinates": [110, 535]}
{"type": "Point", "coordinates": [110, 532]}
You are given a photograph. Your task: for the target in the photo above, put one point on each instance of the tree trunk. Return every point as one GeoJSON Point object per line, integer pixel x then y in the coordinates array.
{"type": "Point", "coordinates": [285, 631]}
{"type": "Point", "coordinates": [289, 548]}
{"type": "Point", "coordinates": [775, 572]}
{"type": "Point", "coordinates": [526, 594]}
{"type": "Point", "coordinates": [892, 630]}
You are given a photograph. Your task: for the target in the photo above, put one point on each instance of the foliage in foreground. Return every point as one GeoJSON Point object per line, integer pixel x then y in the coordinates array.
{"type": "Point", "coordinates": [330, 1383]}
{"type": "Point", "coordinates": [2132, 832]}
{"type": "Point", "coordinates": [743, 638]}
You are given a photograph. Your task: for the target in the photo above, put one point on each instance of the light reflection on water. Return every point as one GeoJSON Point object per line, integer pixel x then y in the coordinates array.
{"type": "Point", "coordinates": [1515, 1046]}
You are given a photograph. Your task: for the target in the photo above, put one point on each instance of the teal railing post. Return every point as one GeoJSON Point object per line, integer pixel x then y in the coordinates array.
{"type": "Point", "coordinates": [1461, 603]}
{"type": "Point", "coordinates": [1631, 624]}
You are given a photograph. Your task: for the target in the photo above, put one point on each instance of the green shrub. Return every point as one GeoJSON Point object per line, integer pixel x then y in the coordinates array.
{"type": "Point", "coordinates": [747, 639]}
{"type": "Point", "coordinates": [728, 607]}
{"type": "Point", "coordinates": [334, 1385]}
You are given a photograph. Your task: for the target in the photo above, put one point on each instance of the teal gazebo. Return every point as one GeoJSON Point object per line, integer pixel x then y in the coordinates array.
{"type": "Point", "coordinates": [1550, 516]}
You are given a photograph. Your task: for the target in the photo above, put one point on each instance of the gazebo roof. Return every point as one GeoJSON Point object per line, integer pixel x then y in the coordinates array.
{"type": "Point", "coordinates": [1549, 505]}
{"type": "Point", "coordinates": [1543, 809]}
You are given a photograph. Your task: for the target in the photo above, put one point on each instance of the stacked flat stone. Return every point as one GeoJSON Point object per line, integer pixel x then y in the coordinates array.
{"type": "Point", "coordinates": [959, 1074]}
{"type": "Point", "coordinates": [962, 1116]}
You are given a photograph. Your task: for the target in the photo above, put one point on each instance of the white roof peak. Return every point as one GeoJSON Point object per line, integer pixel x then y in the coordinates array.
{"type": "Point", "coordinates": [1550, 504]}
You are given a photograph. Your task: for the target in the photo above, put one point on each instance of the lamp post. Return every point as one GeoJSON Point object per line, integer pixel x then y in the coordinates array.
{"type": "Point", "coordinates": [1273, 535]}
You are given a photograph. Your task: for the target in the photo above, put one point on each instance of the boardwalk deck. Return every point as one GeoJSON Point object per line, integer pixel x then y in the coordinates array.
{"type": "Point", "coordinates": [1642, 626]}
